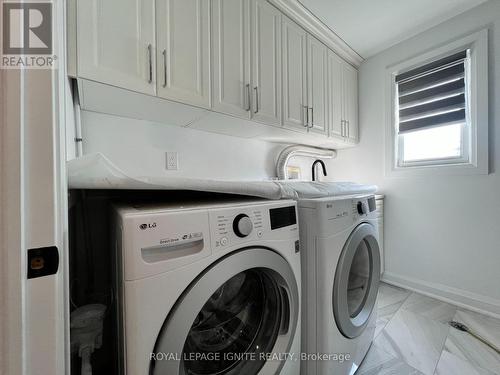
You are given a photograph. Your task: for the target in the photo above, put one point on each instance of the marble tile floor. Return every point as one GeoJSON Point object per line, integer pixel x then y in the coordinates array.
{"type": "Point", "coordinates": [413, 337]}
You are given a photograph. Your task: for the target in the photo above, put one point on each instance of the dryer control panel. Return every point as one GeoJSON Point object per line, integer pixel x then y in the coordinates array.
{"type": "Point", "coordinates": [160, 238]}
{"type": "Point", "coordinates": [237, 225]}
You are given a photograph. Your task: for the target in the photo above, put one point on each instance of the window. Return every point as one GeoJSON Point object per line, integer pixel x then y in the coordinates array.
{"type": "Point", "coordinates": [438, 112]}
{"type": "Point", "coordinates": [432, 112]}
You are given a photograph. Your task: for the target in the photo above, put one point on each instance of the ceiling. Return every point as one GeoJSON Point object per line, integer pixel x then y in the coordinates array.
{"type": "Point", "coordinates": [370, 26]}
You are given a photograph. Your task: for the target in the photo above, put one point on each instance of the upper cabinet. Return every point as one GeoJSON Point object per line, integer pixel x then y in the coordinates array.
{"type": "Point", "coordinates": [243, 58]}
{"type": "Point", "coordinates": [231, 57]}
{"type": "Point", "coordinates": [294, 46]}
{"type": "Point", "coordinates": [335, 96]}
{"type": "Point", "coordinates": [350, 96]}
{"type": "Point", "coordinates": [246, 44]}
{"type": "Point", "coordinates": [342, 99]}
{"type": "Point", "coordinates": [183, 51]}
{"type": "Point", "coordinates": [116, 42]}
{"type": "Point", "coordinates": [317, 85]}
{"type": "Point", "coordinates": [265, 33]}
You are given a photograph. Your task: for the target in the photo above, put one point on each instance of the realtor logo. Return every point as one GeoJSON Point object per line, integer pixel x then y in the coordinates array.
{"type": "Point", "coordinates": [27, 35]}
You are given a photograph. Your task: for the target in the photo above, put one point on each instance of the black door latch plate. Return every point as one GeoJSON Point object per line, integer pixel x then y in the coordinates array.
{"type": "Point", "coordinates": [42, 261]}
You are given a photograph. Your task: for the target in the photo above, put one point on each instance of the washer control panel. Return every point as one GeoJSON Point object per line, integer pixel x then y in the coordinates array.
{"type": "Point", "coordinates": [363, 206]}
{"type": "Point", "coordinates": [233, 226]}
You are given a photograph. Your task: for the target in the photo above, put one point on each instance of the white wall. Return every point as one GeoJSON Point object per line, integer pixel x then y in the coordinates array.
{"type": "Point", "coordinates": [442, 233]}
{"type": "Point", "coordinates": [138, 148]}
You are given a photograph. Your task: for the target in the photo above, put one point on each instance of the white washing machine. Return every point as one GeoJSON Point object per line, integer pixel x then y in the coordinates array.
{"type": "Point", "coordinates": [340, 278]}
{"type": "Point", "coordinates": [209, 288]}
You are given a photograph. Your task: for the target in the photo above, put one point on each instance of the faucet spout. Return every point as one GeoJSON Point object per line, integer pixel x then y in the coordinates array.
{"type": "Point", "coordinates": [318, 161]}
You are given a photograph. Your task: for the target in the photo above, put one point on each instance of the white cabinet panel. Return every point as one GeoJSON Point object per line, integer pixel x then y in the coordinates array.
{"type": "Point", "coordinates": [266, 62]}
{"type": "Point", "coordinates": [350, 75]}
{"type": "Point", "coordinates": [183, 53]}
{"type": "Point", "coordinates": [342, 99]}
{"type": "Point", "coordinates": [294, 75]}
{"type": "Point", "coordinates": [231, 57]}
{"type": "Point", "coordinates": [335, 95]}
{"type": "Point", "coordinates": [317, 85]}
{"type": "Point", "coordinates": [116, 40]}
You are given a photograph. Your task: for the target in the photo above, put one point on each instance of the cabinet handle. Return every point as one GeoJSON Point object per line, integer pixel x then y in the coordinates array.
{"type": "Point", "coordinates": [348, 126]}
{"type": "Point", "coordinates": [312, 117]}
{"type": "Point", "coordinates": [249, 105]}
{"type": "Point", "coordinates": [150, 58]}
{"type": "Point", "coordinates": [164, 68]}
{"type": "Point", "coordinates": [256, 99]}
{"type": "Point", "coordinates": [306, 123]}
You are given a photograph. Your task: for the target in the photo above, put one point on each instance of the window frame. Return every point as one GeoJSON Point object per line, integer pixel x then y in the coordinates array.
{"type": "Point", "coordinates": [463, 158]}
{"type": "Point", "coordinates": [474, 147]}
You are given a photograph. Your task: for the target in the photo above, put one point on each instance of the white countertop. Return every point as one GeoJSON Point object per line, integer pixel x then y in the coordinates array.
{"type": "Point", "coordinates": [96, 171]}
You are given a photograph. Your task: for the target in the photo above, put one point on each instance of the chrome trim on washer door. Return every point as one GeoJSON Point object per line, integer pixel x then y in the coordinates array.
{"type": "Point", "coordinates": [203, 317]}
{"type": "Point", "coordinates": [352, 318]}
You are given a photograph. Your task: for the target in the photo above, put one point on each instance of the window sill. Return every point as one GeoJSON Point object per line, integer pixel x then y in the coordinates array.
{"type": "Point", "coordinates": [464, 169]}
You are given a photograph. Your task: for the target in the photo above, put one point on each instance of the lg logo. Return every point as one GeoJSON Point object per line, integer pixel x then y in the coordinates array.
{"type": "Point", "coordinates": [147, 226]}
{"type": "Point", "coordinates": [27, 28]}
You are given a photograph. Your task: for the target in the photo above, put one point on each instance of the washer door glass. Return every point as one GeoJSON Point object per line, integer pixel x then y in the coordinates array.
{"type": "Point", "coordinates": [359, 279]}
{"type": "Point", "coordinates": [356, 281]}
{"type": "Point", "coordinates": [241, 317]}
{"type": "Point", "coordinates": [236, 314]}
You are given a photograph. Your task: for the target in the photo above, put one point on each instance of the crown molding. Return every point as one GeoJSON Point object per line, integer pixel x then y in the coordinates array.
{"type": "Point", "coordinates": [301, 15]}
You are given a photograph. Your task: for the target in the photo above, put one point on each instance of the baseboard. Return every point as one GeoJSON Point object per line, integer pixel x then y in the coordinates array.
{"type": "Point", "coordinates": [458, 297]}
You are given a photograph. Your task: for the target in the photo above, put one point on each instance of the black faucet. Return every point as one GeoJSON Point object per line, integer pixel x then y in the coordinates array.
{"type": "Point", "coordinates": [313, 167]}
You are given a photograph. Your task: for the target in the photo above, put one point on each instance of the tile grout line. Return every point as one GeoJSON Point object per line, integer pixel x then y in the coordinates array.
{"type": "Point", "coordinates": [399, 308]}
{"type": "Point", "coordinates": [444, 342]}
{"type": "Point", "coordinates": [442, 349]}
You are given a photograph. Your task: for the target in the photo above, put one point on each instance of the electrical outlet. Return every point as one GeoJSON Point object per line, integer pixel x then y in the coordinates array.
{"type": "Point", "coordinates": [172, 161]}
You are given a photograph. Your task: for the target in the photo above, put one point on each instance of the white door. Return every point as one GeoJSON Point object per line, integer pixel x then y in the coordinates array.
{"type": "Point", "coordinates": [33, 281]}
{"type": "Point", "coordinates": [317, 82]}
{"type": "Point", "coordinates": [351, 101]}
{"type": "Point", "coordinates": [116, 43]}
{"type": "Point", "coordinates": [294, 75]}
{"type": "Point", "coordinates": [266, 62]}
{"type": "Point", "coordinates": [231, 90]}
{"type": "Point", "coordinates": [183, 53]}
{"type": "Point", "coordinates": [335, 96]}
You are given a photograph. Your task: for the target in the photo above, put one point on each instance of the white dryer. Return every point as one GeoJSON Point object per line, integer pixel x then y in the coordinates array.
{"type": "Point", "coordinates": [208, 288]}
{"type": "Point", "coordinates": [340, 278]}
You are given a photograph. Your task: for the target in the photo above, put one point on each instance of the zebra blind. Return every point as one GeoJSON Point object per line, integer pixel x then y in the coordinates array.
{"type": "Point", "coordinates": [433, 95]}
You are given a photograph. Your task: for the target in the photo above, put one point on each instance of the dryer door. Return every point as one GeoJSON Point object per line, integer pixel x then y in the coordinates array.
{"type": "Point", "coordinates": [356, 281]}
{"type": "Point", "coordinates": [240, 310]}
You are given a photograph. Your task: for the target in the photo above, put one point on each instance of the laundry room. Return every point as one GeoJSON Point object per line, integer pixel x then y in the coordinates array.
{"type": "Point", "coordinates": [256, 187]}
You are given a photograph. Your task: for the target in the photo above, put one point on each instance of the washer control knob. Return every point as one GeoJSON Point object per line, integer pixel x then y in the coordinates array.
{"type": "Point", "coordinates": [242, 225]}
{"type": "Point", "coordinates": [362, 208]}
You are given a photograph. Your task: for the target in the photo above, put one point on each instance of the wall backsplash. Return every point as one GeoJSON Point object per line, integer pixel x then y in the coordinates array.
{"type": "Point", "coordinates": [139, 147]}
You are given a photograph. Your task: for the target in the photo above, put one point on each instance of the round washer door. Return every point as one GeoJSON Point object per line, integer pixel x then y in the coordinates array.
{"type": "Point", "coordinates": [238, 312]}
{"type": "Point", "coordinates": [356, 281]}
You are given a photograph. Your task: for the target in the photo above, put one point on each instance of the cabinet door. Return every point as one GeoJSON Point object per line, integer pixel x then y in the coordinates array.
{"type": "Point", "coordinates": [335, 96]}
{"type": "Point", "coordinates": [183, 55]}
{"type": "Point", "coordinates": [116, 43]}
{"type": "Point", "coordinates": [294, 75]}
{"type": "Point", "coordinates": [317, 82]}
{"type": "Point", "coordinates": [266, 62]}
{"type": "Point", "coordinates": [231, 57]}
{"type": "Point", "coordinates": [351, 101]}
